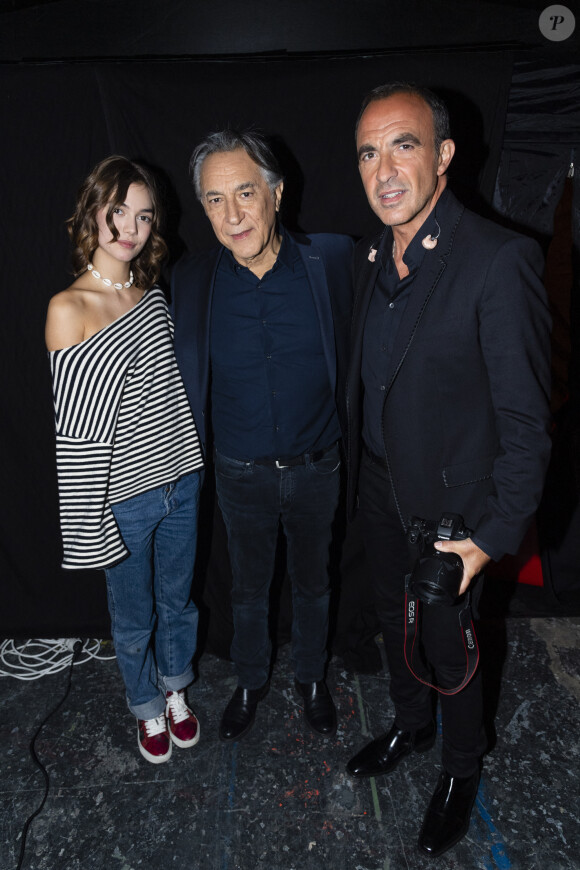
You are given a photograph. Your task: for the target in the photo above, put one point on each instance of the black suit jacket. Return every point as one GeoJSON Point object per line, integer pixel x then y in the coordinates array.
{"type": "Point", "coordinates": [465, 416]}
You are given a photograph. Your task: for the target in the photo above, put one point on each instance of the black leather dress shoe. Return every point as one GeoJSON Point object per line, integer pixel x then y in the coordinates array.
{"type": "Point", "coordinates": [319, 708]}
{"type": "Point", "coordinates": [447, 818]}
{"type": "Point", "coordinates": [240, 712]}
{"type": "Point", "coordinates": [383, 754]}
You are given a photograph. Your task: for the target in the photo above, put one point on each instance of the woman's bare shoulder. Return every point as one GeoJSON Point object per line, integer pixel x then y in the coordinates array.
{"type": "Point", "coordinates": [65, 319]}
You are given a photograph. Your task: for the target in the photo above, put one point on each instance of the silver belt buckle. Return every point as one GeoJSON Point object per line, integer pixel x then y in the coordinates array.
{"type": "Point", "coordinates": [277, 463]}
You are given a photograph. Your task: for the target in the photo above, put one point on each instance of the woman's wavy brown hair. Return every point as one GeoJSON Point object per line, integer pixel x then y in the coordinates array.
{"type": "Point", "coordinates": [106, 187]}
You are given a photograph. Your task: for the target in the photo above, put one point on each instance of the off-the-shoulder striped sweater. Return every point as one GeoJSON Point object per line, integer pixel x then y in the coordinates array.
{"type": "Point", "coordinates": [123, 426]}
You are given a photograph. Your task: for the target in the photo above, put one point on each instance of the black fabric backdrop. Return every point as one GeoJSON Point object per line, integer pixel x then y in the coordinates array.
{"type": "Point", "coordinates": [59, 29]}
{"type": "Point", "coordinates": [541, 144]}
{"type": "Point", "coordinates": [538, 187]}
{"type": "Point", "coordinates": [58, 121]}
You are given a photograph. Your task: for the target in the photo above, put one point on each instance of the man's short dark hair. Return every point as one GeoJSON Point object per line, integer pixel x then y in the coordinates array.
{"type": "Point", "coordinates": [255, 146]}
{"type": "Point", "coordinates": [438, 108]}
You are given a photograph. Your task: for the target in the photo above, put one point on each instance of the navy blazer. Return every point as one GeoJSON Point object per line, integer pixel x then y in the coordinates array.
{"type": "Point", "coordinates": [327, 259]}
{"type": "Point", "coordinates": [466, 415]}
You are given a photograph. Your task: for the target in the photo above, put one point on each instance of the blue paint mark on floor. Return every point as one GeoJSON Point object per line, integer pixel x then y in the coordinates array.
{"type": "Point", "coordinates": [498, 849]}
{"type": "Point", "coordinates": [225, 862]}
{"type": "Point", "coordinates": [232, 782]}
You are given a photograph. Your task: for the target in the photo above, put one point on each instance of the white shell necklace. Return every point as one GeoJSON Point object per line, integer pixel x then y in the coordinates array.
{"type": "Point", "coordinates": [107, 281]}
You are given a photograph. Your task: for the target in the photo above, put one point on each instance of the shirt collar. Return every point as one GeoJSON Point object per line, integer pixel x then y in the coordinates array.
{"type": "Point", "coordinates": [431, 226]}
{"type": "Point", "coordinates": [286, 254]}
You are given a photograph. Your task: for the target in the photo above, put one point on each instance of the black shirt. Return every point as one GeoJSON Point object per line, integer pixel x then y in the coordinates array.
{"type": "Point", "coordinates": [385, 313]}
{"type": "Point", "coordinates": [271, 395]}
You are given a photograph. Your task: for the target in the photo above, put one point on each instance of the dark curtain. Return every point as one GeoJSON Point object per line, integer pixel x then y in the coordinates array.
{"type": "Point", "coordinates": [538, 189]}
{"type": "Point", "coordinates": [77, 29]}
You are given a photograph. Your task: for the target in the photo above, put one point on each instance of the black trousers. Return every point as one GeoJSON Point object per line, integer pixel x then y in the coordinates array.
{"type": "Point", "coordinates": [389, 562]}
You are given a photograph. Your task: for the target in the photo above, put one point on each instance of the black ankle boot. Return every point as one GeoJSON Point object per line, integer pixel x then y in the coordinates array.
{"type": "Point", "coordinates": [240, 712]}
{"type": "Point", "coordinates": [447, 818]}
{"type": "Point", "coordinates": [319, 708]}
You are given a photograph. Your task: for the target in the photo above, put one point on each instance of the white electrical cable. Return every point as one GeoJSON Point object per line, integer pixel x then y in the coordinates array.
{"type": "Point", "coordinates": [32, 659]}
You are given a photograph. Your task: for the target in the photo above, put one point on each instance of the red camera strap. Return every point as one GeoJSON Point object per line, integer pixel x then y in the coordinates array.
{"type": "Point", "coordinates": [467, 634]}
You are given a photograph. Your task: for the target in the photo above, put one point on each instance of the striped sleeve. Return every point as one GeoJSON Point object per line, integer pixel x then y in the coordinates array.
{"type": "Point", "coordinates": [90, 536]}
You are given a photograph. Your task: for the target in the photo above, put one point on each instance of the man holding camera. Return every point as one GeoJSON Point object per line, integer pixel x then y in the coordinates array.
{"type": "Point", "coordinates": [447, 401]}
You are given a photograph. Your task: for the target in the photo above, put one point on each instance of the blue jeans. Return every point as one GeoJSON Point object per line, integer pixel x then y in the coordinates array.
{"type": "Point", "coordinates": [254, 499]}
{"type": "Point", "coordinates": [153, 619]}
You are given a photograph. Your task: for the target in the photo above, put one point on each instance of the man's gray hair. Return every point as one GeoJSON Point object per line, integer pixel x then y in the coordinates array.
{"type": "Point", "coordinates": [255, 146]}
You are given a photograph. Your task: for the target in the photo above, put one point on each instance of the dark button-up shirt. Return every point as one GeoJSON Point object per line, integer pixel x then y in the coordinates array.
{"type": "Point", "coordinates": [270, 393]}
{"type": "Point", "coordinates": [385, 313]}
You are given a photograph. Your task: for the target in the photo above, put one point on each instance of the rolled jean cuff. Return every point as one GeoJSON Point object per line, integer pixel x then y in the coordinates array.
{"type": "Point", "coordinates": [150, 709]}
{"type": "Point", "coordinates": [154, 708]}
{"type": "Point", "coordinates": [176, 684]}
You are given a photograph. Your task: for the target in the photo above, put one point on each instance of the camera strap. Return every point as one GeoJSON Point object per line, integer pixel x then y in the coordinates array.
{"type": "Point", "coordinates": [467, 635]}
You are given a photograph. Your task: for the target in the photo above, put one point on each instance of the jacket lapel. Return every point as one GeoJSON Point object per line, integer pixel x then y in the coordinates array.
{"type": "Point", "coordinates": [366, 267]}
{"type": "Point", "coordinates": [314, 265]}
{"type": "Point", "coordinates": [424, 285]}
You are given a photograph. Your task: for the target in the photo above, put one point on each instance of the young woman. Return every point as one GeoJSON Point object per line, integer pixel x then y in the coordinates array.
{"type": "Point", "coordinates": [128, 455]}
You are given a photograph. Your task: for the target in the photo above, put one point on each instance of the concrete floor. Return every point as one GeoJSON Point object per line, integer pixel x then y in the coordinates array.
{"type": "Point", "coordinates": [281, 798]}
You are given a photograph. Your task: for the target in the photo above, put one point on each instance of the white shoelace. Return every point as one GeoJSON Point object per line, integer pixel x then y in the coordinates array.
{"type": "Point", "coordinates": [155, 726]}
{"type": "Point", "coordinates": [179, 709]}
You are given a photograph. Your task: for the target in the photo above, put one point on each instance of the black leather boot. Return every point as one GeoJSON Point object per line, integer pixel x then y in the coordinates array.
{"type": "Point", "coordinates": [319, 708]}
{"type": "Point", "coordinates": [240, 712]}
{"type": "Point", "coordinates": [383, 754]}
{"type": "Point", "coordinates": [447, 818]}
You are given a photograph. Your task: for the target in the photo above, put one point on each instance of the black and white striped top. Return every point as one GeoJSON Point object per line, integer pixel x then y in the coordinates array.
{"type": "Point", "coordinates": [123, 426]}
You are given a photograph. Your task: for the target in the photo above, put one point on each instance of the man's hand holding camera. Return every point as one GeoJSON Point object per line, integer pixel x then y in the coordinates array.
{"type": "Point", "coordinates": [446, 559]}
{"type": "Point", "coordinates": [473, 558]}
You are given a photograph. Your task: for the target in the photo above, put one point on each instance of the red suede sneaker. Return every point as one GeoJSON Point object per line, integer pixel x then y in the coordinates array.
{"type": "Point", "coordinates": [153, 739]}
{"type": "Point", "coordinates": [183, 725]}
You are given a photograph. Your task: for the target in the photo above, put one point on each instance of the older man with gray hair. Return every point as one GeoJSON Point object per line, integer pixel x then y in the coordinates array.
{"type": "Point", "coordinates": [261, 330]}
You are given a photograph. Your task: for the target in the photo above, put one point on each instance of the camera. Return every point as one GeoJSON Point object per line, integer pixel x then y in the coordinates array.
{"type": "Point", "coordinates": [436, 576]}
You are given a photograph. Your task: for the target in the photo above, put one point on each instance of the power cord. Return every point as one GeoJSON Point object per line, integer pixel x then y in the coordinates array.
{"type": "Point", "coordinates": [76, 652]}
{"type": "Point", "coordinates": [32, 659]}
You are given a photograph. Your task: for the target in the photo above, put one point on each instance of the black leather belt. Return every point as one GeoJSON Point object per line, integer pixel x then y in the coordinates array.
{"type": "Point", "coordinates": [376, 460]}
{"type": "Point", "coordinates": [291, 462]}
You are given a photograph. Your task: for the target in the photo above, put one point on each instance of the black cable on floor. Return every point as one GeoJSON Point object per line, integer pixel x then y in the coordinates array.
{"type": "Point", "coordinates": [77, 650]}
